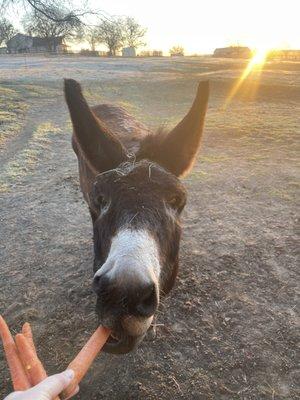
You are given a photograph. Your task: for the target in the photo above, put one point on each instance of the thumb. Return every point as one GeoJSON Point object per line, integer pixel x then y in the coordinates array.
{"type": "Point", "coordinates": [55, 384]}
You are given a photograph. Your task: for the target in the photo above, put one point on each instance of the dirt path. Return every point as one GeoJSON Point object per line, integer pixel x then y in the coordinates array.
{"type": "Point", "coordinates": [230, 328]}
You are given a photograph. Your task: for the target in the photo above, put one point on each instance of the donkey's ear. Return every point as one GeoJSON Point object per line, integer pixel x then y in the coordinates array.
{"type": "Point", "coordinates": [177, 150]}
{"type": "Point", "coordinates": [99, 147]}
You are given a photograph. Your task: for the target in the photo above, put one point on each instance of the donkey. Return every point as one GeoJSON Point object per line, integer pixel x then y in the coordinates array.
{"type": "Point", "coordinates": [130, 180]}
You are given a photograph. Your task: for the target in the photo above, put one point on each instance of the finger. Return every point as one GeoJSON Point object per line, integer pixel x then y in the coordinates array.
{"type": "Point", "coordinates": [75, 392]}
{"type": "Point", "coordinates": [54, 384]}
{"type": "Point", "coordinates": [13, 396]}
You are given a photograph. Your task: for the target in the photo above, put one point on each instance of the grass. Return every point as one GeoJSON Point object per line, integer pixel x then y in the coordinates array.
{"type": "Point", "coordinates": [214, 159]}
{"type": "Point", "coordinates": [13, 106]}
{"type": "Point", "coordinates": [25, 161]}
{"type": "Point", "coordinates": [12, 111]}
{"type": "Point", "coordinates": [38, 91]}
{"type": "Point", "coordinates": [282, 194]}
{"type": "Point", "coordinates": [197, 175]}
{"type": "Point", "coordinates": [256, 157]}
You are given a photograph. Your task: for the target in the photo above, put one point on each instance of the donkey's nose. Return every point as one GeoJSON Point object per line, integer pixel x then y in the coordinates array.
{"type": "Point", "coordinates": [147, 302]}
{"type": "Point", "coordinates": [135, 297]}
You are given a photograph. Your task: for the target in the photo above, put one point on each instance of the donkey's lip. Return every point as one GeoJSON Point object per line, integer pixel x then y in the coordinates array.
{"type": "Point", "coordinates": [113, 338]}
{"type": "Point", "coordinates": [121, 346]}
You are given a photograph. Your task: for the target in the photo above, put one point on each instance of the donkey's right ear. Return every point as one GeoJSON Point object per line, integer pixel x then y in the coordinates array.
{"type": "Point", "coordinates": [176, 151]}
{"type": "Point", "coordinates": [99, 147]}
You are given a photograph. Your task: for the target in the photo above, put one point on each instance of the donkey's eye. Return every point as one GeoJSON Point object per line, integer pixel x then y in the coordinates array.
{"type": "Point", "coordinates": [102, 203]}
{"type": "Point", "coordinates": [175, 202]}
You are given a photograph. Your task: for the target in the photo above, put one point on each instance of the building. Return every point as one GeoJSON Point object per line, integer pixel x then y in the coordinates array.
{"type": "Point", "coordinates": [89, 53]}
{"type": "Point", "coordinates": [28, 44]}
{"type": "Point", "coordinates": [151, 53]}
{"type": "Point", "coordinates": [233, 52]}
{"type": "Point", "coordinates": [128, 52]}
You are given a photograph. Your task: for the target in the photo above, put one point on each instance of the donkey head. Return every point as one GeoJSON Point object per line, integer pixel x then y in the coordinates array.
{"type": "Point", "coordinates": [135, 202]}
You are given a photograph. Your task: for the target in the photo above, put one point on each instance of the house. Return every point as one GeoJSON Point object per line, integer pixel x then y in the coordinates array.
{"type": "Point", "coordinates": [128, 52]}
{"type": "Point", "coordinates": [53, 44]}
{"type": "Point", "coordinates": [28, 44]}
{"type": "Point", "coordinates": [233, 52]}
{"type": "Point", "coordinates": [19, 43]}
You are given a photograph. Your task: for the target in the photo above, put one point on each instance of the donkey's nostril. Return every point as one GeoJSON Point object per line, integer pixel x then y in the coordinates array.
{"type": "Point", "coordinates": [148, 302]}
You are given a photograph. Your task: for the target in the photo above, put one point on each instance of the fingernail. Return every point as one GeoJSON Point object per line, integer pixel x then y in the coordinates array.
{"type": "Point", "coordinates": [70, 374]}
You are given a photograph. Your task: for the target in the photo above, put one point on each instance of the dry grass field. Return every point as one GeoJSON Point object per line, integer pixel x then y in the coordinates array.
{"type": "Point", "coordinates": [229, 330]}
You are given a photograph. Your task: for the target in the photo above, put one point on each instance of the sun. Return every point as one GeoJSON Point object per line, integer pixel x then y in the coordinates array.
{"type": "Point", "coordinates": [256, 64]}
{"type": "Point", "coordinates": [259, 56]}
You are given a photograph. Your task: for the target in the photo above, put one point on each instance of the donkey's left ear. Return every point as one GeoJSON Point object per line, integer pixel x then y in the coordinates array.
{"type": "Point", "coordinates": [176, 151]}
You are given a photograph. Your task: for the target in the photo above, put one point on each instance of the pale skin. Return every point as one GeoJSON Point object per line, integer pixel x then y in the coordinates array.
{"type": "Point", "coordinates": [48, 389]}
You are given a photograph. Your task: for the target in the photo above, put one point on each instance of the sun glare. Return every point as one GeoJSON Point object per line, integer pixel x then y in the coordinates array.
{"type": "Point", "coordinates": [255, 64]}
{"type": "Point", "coordinates": [259, 57]}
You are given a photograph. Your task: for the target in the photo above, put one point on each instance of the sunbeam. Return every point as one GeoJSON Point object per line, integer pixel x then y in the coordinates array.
{"type": "Point", "coordinates": [256, 64]}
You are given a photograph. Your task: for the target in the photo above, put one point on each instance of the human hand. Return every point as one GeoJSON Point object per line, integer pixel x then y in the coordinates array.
{"type": "Point", "coordinates": [48, 389]}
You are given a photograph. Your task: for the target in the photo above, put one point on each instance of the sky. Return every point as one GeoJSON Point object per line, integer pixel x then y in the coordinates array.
{"type": "Point", "coordinates": [201, 26]}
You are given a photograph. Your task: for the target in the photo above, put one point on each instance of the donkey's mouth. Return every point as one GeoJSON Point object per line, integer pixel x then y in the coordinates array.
{"type": "Point", "coordinates": [121, 345]}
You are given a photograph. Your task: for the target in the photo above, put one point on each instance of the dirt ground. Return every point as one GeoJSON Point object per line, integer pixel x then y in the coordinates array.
{"type": "Point", "coordinates": [230, 329]}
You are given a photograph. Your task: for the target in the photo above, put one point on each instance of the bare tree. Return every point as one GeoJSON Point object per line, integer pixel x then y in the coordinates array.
{"type": "Point", "coordinates": [133, 33]}
{"type": "Point", "coordinates": [111, 34]}
{"type": "Point", "coordinates": [7, 31]}
{"type": "Point", "coordinates": [37, 24]}
{"type": "Point", "coordinates": [45, 8]}
{"type": "Point", "coordinates": [91, 35]}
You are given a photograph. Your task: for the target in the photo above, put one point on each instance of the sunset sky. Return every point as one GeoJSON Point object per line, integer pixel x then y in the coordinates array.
{"type": "Point", "coordinates": [201, 26]}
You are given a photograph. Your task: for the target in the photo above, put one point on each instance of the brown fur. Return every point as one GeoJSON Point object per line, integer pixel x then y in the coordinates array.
{"type": "Point", "coordinates": [132, 175]}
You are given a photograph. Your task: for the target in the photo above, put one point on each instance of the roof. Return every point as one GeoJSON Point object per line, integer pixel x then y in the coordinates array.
{"type": "Point", "coordinates": [40, 42]}
{"type": "Point", "coordinates": [16, 37]}
{"type": "Point", "coordinates": [37, 41]}
{"type": "Point", "coordinates": [234, 48]}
